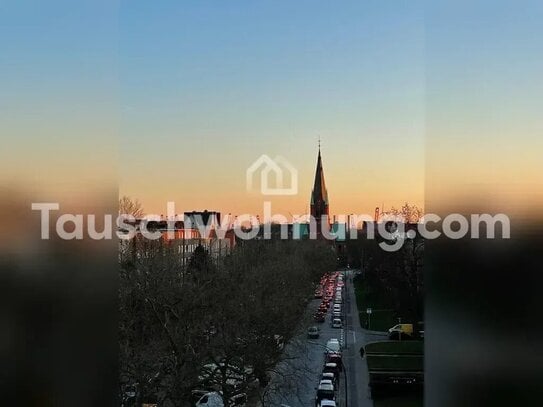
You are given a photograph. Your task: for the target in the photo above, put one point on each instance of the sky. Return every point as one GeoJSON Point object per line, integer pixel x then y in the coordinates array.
{"type": "Point", "coordinates": [425, 102]}
{"type": "Point", "coordinates": [208, 87]}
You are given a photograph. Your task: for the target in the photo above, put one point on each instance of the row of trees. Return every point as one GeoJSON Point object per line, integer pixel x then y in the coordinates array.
{"type": "Point", "coordinates": [231, 319]}
{"type": "Point", "coordinates": [397, 276]}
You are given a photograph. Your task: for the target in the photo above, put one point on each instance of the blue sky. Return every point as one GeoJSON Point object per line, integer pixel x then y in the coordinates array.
{"type": "Point", "coordinates": [271, 77]}
{"type": "Point", "coordinates": [175, 99]}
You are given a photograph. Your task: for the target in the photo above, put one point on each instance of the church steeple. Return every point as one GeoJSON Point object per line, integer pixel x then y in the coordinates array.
{"type": "Point", "coordinates": [319, 195]}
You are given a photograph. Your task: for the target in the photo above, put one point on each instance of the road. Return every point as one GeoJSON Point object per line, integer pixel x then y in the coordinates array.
{"type": "Point", "coordinates": [298, 374]}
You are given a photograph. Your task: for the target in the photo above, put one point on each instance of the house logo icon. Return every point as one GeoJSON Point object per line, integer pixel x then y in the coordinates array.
{"type": "Point", "coordinates": [279, 169]}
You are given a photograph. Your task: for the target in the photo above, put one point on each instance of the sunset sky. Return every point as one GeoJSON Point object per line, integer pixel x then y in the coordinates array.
{"type": "Point", "coordinates": [413, 101]}
{"type": "Point", "coordinates": [206, 89]}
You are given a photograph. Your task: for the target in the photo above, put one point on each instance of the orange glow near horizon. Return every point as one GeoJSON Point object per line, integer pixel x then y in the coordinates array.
{"type": "Point", "coordinates": [224, 190]}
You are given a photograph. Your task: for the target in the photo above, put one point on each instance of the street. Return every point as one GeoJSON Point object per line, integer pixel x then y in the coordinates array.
{"type": "Point", "coordinates": [297, 376]}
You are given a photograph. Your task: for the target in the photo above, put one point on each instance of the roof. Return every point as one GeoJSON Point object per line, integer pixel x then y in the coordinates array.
{"type": "Point", "coordinates": [319, 192]}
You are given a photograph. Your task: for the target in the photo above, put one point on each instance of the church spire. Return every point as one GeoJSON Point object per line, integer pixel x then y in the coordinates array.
{"type": "Point", "coordinates": [319, 195]}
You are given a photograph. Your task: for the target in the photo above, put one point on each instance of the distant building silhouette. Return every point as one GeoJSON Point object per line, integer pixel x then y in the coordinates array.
{"type": "Point", "coordinates": [319, 198]}
{"type": "Point", "coordinates": [202, 218]}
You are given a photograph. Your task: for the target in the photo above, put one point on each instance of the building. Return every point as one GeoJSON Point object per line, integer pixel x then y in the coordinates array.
{"type": "Point", "coordinates": [319, 199]}
{"type": "Point", "coordinates": [202, 218]}
{"type": "Point", "coordinates": [181, 241]}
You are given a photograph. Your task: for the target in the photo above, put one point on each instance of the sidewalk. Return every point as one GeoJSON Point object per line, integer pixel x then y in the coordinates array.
{"type": "Point", "coordinates": [355, 337]}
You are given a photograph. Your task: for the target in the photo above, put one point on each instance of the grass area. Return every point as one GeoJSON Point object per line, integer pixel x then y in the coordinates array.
{"type": "Point", "coordinates": [400, 401]}
{"type": "Point", "coordinates": [405, 363]}
{"type": "Point", "coordinates": [396, 347]}
{"type": "Point", "coordinates": [383, 316]}
{"type": "Point", "coordinates": [404, 356]}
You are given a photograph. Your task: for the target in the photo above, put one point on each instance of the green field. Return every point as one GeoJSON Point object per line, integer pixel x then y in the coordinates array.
{"type": "Point", "coordinates": [400, 401]}
{"type": "Point", "coordinates": [398, 363]}
{"type": "Point", "coordinates": [383, 316]}
{"type": "Point", "coordinates": [391, 356]}
{"type": "Point", "coordinates": [396, 347]}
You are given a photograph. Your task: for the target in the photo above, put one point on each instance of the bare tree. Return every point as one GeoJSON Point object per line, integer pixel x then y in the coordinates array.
{"type": "Point", "coordinates": [208, 328]}
{"type": "Point", "coordinates": [128, 206]}
{"type": "Point", "coordinates": [408, 212]}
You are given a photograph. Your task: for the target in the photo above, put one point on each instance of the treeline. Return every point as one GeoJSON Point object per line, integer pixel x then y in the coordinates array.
{"type": "Point", "coordinates": [396, 278]}
{"type": "Point", "coordinates": [233, 316]}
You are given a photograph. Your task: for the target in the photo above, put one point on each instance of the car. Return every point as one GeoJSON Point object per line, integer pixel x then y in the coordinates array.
{"type": "Point", "coordinates": [313, 332]}
{"type": "Point", "coordinates": [324, 392]}
{"type": "Point", "coordinates": [331, 367]}
{"type": "Point", "coordinates": [214, 399]}
{"type": "Point", "coordinates": [336, 323]}
{"type": "Point", "coordinates": [337, 308]}
{"type": "Point", "coordinates": [336, 315]}
{"type": "Point", "coordinates": [326, 381]}
{"type": "Point", "coordinates": [333, 346]}
{"type": "Point", "coordinates": [334, 358]}
{"type": "Point", "coordinates": [327, 403]}
{"type": "Point", "coordinates": [401, 331]}
{"type": "Point", "coordinates": [319, 317]}
{"type": "Point", "coordinates": [329, 376]}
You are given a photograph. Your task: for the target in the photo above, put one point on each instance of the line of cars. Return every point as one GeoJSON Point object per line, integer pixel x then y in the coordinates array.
{"type": "Point", "coordinates": [328, 386]}
{"type": "Point", "coordinates": [330, 291]}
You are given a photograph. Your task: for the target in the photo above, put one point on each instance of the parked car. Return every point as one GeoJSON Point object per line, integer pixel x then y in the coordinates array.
{"type": "Point", "coordinates": [336, 323]}
{"type": "Point", "coordinates": [329, 376]}
{"type": "Point", "coordinates": [333, 346]}
{"type": "Point", "coordinates": [324, 392]}
{"type": "Point", "coordinates": [405, 330]}
{"type": "Point", "coordinates": [327, 381]}
{"type": "Point", "coordinates": [334, 358]}
{"type": "Point", "coordinates": [313, 332]}
{"type": "Point", "coordinates": [327, 403]}
{"type": "Point", "coordinates": [331, 367]}
{"type": "Point", "coordinates": [214, 399]}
